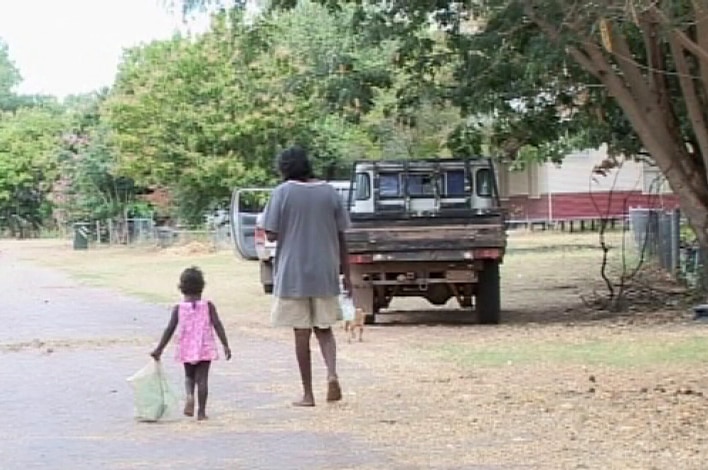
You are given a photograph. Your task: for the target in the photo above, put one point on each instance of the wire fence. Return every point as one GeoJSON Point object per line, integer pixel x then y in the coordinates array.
{"type": "Point", "coordinates": [658, 238]}
{"type": "Point", "coordinates": [144, 232]}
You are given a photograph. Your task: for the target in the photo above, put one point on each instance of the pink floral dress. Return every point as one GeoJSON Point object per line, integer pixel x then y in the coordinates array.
{"type": "Point", "coordinates": [195, 333]}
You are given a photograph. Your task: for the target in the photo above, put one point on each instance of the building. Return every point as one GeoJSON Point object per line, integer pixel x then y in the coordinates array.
{"type": "Point", "coordinates": [548, 193]}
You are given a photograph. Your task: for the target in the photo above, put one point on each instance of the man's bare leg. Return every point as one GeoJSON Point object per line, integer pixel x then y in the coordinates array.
{"type": "Point", "coordinates": [328, 346]}
{"type": "Point", "coordinates": [302, 352]}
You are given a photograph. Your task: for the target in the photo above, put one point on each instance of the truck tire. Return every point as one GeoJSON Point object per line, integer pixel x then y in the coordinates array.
{"type": "Point", "coordinates": [488, 299]}
{"type": "Point", "coordinates": [364, 298]}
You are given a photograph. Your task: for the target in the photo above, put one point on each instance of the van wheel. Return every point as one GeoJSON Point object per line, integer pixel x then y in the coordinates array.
{"type": "Point", "coordinates": [488, 298]}
{"type": "Point", "coordinates": [465, 301]}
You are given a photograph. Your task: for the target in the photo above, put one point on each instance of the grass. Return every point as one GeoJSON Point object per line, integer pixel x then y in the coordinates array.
{"type": "Point", "coordinates": [537, 265]}
{"type": "Point", "coordinates": [152, 275]}
{"type": "Point", "coordinates": [621, 353]}
{"type": "Point", "coordinates": [540, 281]}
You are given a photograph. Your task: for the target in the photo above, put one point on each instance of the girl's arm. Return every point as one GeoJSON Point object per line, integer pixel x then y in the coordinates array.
{"type": "Point", "coordinates": [167, 335]}
{"type": "Point", "coordinates": [219, 328]}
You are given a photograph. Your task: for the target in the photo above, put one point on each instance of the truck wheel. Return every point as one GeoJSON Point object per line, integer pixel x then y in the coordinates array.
{"type": "Point", "coordinates": [364, 299]}
{"type": "Point", "coordinates": [488, 295]}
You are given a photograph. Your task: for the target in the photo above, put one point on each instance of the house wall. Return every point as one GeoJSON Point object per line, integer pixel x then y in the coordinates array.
{"type": "Point", "coordinates": [572, 191]}
{"type": "Point", "coordinates": [576, 175]}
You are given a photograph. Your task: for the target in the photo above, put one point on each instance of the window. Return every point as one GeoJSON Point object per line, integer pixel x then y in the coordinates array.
{"type": "Point", "coordinates": [455, 183]}
{"type": "Point", "coordinates": [363, 187]}
{"type": "Point", "coordinates": [484, 182]}
{"type": "Point", "coordinates": [389, 185]}
{"type": "Point", "coordinates": [421, 185]}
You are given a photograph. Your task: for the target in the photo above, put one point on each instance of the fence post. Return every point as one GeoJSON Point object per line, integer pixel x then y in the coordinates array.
{"type": "Point", "coordinates": [675, 241]}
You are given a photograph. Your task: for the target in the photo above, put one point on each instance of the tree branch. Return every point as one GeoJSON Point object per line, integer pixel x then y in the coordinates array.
{"type": "Point", "coordinates": [690, 97]}
{"type": "Point", "coordinates": [686, 42]}
{"type": "Point", "coordinates": [633, 76]}
{"type": "Point", "coordinates": [701, 10]}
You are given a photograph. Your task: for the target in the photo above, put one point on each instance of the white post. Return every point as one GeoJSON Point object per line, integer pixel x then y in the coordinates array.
{"type": "Point", "coordinates": [549, 193]}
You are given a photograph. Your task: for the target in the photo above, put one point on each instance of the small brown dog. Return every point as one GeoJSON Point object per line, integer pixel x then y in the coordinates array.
{"type": "Point", "coordinates": [356, 324]}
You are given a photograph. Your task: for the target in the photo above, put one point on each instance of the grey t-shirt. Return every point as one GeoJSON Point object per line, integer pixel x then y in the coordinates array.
{"type": "Point", "coordinates": [307, 217]}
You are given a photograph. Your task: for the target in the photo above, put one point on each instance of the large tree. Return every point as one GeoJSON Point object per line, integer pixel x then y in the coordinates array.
{"type": "Point", "coordinates": [30, 140]}
{"type": "Point", "coordinates": [9, 77]}
{"type": "Point", "coordinates": [201, 115]}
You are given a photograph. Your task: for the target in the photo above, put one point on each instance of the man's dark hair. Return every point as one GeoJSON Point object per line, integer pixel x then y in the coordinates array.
{"type": "Point", "coordinates": [293, 164]}
{"type": "Point", "coordinates": [191, 281]}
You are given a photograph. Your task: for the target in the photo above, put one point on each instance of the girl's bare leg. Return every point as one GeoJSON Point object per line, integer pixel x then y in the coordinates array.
{"type": "Point", "coordinates": [189, 383]}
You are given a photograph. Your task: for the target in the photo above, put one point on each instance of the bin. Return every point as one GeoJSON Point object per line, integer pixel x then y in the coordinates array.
{"type": "Point", "coordinates": [81, 235]}
{"type": "Point", "coordinates": [165, 236]}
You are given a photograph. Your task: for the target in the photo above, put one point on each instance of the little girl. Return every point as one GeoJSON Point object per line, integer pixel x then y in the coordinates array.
{"type": "Point", "coordinates": [197, 320]}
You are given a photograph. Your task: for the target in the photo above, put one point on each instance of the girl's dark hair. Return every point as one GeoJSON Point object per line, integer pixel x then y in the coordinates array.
{"type": "Point", "coordinates": [191, 281]}
{"type": "Point", "coordinates": [293, 164]}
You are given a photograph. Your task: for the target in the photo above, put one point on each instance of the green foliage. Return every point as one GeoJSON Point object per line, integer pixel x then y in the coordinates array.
{"type": "Point", "coordinates": [29, 142]}
{"type": "Point", "coordinates": [91, 188]}
{"type": "Point", "coordinates": [203, 115]}
{"type": "Point", "coordinates": [9, 78]}
{"type": "Point", "coordinates": [94, 190]}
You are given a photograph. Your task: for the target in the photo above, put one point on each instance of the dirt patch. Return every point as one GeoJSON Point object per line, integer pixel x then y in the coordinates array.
{"type": "Point", "coordinates": [192, 248]}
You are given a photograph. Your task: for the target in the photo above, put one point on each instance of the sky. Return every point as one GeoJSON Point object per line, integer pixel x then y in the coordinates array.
{"type": "Point", "coordinates": [64, 47]}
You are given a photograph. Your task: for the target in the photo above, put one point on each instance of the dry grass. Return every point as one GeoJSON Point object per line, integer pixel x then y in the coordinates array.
{"type": "Point", "coordinates": [553, 387]}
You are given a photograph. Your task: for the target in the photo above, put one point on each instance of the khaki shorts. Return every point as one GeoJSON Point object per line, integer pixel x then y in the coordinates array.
{"type": "Point", "coordinates": [308, 312]}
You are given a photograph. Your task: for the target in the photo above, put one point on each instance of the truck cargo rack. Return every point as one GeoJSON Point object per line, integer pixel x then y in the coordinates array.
{"type": "Point", "coordinates": [436, 167]}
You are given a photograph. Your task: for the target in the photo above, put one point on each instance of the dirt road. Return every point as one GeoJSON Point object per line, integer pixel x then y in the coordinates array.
{"type": "Point", "coordinates": [553, 387]}
{"type": "Point", "coordinates": [65, 351]}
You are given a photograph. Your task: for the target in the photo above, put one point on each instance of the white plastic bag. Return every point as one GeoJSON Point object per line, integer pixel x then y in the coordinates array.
{"type": "Point", "coordinates": [154, 398]}
{"type": "Point", "coordinates": [347, 306]}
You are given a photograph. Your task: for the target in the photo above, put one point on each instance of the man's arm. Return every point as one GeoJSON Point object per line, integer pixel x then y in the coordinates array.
{"type": "Point", "coordinates": [344, 262]}
{"type": "Point", "coordinates": [219, 328]}
{"type": "Point", "coordinates": [167, 335]}
{"type": "Point", "coordinates": [271, 216]}
{"type": "Point", "coordinates": [342, 218]}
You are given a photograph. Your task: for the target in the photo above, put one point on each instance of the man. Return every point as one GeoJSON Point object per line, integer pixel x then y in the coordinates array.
{"type": "Point", "coordinates": [307, 218]}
